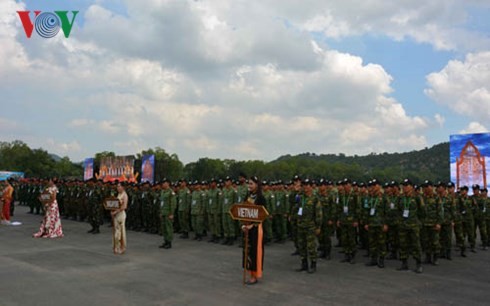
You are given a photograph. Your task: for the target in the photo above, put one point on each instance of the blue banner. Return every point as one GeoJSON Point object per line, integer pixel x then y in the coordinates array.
{"type": "Point", "coordinates": [5, 175]}
{"type": "Point", "coordinates": [148, 169]}
{"type": "Point", "coordinates": [88, 169]}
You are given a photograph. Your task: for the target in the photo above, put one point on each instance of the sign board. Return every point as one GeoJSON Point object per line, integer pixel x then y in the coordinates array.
{"type": "Point", "coordinates": [248, 212]}
{"type": "Point", "coordinates": [111, 203]}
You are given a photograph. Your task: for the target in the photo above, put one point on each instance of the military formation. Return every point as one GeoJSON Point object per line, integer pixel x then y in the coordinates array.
{"type": "Point", "coordinates": [393, 220]}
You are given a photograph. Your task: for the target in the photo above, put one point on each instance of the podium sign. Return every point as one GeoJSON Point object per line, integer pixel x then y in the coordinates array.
{"type": "Point", "coordinates": [248, 212]}
{"type": "Point", "coordinates": [111, 203]}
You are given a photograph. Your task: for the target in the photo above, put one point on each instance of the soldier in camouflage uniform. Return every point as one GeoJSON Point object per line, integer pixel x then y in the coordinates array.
{"type": "Point", "coordinates": [447, 217]}
{"type": "Point", "coordinates": [409, 211]}
{"type": "Point", "coordinates": [348, 220]}
{"type": "Point", "coordinates": [467, 225]}
{"type": "Point", "coordinates": [168, 204]}
{"type": "Point", "coordinates": [294, 202]}
{"type": "Point", "coordinates": [228, 199]}
{"type": "Point", "coordinates": [364, 198]}
{"type": "Point", "coordinates": [392, 196]}
{"type": "Point", "coordinates": [432, 223]}
{"type": "Point", "coordinates": [309, 226]}
{"type": "Point", "coordinates": [280, 213]}
{"type": "Point", "coordinates": [376, 225]}
{"type": "Point", "coordinates": [270, 199]}
{"type": "Point", "coordinates": [184, 200]}
{"type": "Point", "coordinates": [95, 200]}
{"type": "Point", "coordinates": [326, 197]}
{"type": "Point", "coordinates": [486, 215]}
{"type": "Point", "coordinates": [479, 210]}
{"type": "Point", "coordinates": [197, 211]}
{"type": "Point", "coordinates": [213, 211]}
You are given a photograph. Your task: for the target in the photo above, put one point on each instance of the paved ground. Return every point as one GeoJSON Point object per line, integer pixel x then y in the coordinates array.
{"type": "Point", "coordinates": [80, 269]}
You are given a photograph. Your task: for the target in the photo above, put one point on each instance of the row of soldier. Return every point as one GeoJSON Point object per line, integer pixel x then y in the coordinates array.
{"type": "Point", "coordinates": [392, 220]}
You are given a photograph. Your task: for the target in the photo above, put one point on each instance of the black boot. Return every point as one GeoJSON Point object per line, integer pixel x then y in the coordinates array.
{"type": "Point", "coordinates": [463, 254]}
{"type": "Point", "coordinates": [473, 250]}
{"type": "Point", "coordinates": [168, 245]}
{"type": "Point", "coordinates": [435, 261]}
{"type": "Point", "coordinates": [96, 231]}
{"type": "Point", "coordinates": [232, 241]}
{"type": "Point", "coordinates": [312, 268]}
{"type": "Point", "coordinates": [213, 239]}
{"type": "Point", "coordinates": [404, 266]}
{"type": "Point", "coordinates": [225, 242]}
{"type": "Point", "coordinates": [163, 245]}
{"type": "Point", "coordinates": [185, 235]}
{"type": "Point", "coordinates": [381, 262]}
{"type": "Point", "coordinates": [304, 266]}
{"type": "Point", "coordinates": [295, 253]}
{"type": "Point", "coordinates": [91, 231]}
{"type": "Point", "coordinates": [418, 268]}
{"type": "Point", "coordinates": [322, 254]}
{"type": "Point", "coordinates": [428, 258]}
{"type": "Point", "coordinates": [392, 256]}
{"type": "Point", "coordinates": [372, 263]}
{"type": "Point", "coordinates": [327, 256]}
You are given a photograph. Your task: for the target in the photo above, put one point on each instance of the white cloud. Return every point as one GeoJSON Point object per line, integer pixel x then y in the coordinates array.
{"type": "Point", "coordinates": [474, 127]}
{"type": "Point", "coordinates": [439, 119]}
{"type": "Point", "coordinates": [464, 86]}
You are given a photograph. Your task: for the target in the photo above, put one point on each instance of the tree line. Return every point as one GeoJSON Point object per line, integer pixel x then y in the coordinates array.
{"type": "Point", "coordinates": [429, 163]}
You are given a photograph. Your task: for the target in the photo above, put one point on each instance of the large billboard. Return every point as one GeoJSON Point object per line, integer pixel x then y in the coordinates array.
{"type": "Point", "coordinates": [469, 159]}
{"type": "Point", "coordinates": [5, 175]}
{"type": "Point", "coordinates": [88, 169]}
{"type": "Point", "coordinates": [148, 169]}
{"type": "Point", "coordinates": [119, 168]}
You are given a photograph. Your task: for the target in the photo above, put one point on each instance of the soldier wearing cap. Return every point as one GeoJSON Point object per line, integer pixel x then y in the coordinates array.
{"type": "Point", "coordinates": [376, 225]}
{"type": "Point", "coordinates": [294, 203]}
{"type": "Point", "coordinates": [326, 196]}
{"type": "Point", "coordinates": [270, 199]}
{"type": "Point", "coordinates": [348, 213]}
{"type": "Point", "coordinates": [184, 199]}
{"type": "Point", "coordinates": [213, 211]}
{"type": "Point", "coordinates": [167, 203]}
{"type": "Point", "coordinates": [432, 223]}
{"type": "Point", "coordinates": [364, 198]}
{"type": "Point", "coordinates": [229, 198]}
{"type": "Point", "coordinates": [280, 213]}
{"type": "Point", "coordinates": [447, 216]}
{"type": "Point", "coordinates": [197, 211]}
{"type": "Point", "coordinates": [409, 211]}
{"type": "Point", "coordinates": [95, 200]}
{"type": "Point", "coordinates": [465, 208]}
{"type": "Point", "coordinates": [479, 211]}
{"type": "Point", "coordinates": [309, 222]}
{"type": "Point", "coordinates": [392, 198]}
{"type": "Point", "coordinates": [486, 215]}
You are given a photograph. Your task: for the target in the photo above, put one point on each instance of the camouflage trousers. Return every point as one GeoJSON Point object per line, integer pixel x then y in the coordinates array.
{"type": "Point", "coordinates": [462, 230]}
{"type": "Point", "coordinates": [487, 221]}
{"type": "Point", "coordinates": [446, 237]}
{"type": "Point", "coordinates": [430, 240]}
{"type": "Point", "coordinates": [184, 222]}
{"type": "Point", "coordinates": [198, 224]}
{"type": "Point", "coordinates": [410, 242]}
{"type": "Point", "coordinates": [325, 239]}
{"type": "Point", "coordinates": [95, 214]}
{"type": "Point", "coordinates": [481, 225]}
{"type": "Point", "coordinates": [392, 238]}
{"type": "Point", "coordinates": [167, 229]}
{"type": "Point", "coordinates": [348, 238]}
{"type": "Point", "coordinates": [280, 227]}
{"type": "Point", "coordinates": [294, 232]}
{"type": "Point", "coordinates": [214, 224]}
{"type": "Point", "coordinates": [377, 241]}
{"type": "Point", "coordinates": [228, 226]}
{"type": "Point", "coordinates": [267, 224]}
{"type": "Point", "coordinates": [307, 242]}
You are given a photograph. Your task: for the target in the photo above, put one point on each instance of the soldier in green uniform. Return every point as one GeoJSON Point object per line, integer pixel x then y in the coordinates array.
{"type": "Point", "coordinates": [432, 223]}
{"type": "Point", "coordinates": [479, 210]}
{"type": "Point", "coordinates": [270, 199]}
{"type": "Point", "coordinates": [392, 196]}
{"type": "Point", "coordinates": [376, 225]}
{"type": "Point", "coordinates": [95, 199]}
{"type": "Point", "coordinates": [242, 190]}
{"type": "Point", "coordinates": [447, 217]}
{"type": "Point", "coordinates": [486, 215]}
{"type": "Point", "coordinates": [294, 202]}
{"type": "Point", "coordinates": [213, 211]}
{"type": "Point", "coordinates": [229, 198]}
{"type": "Point", "coordinates": [168, 204]}
{"type": "Point", "coordinates": [326, 196]}
{"type": "Point", "coordinates": [280, 213]}
{"type": "Point", "coordinates": [309, 226]}
{"type": "Point", "coordinates": [197, 211]}
{"type": "Point", "coordinates": [184, 201]}
{"type": "Point", "coordinates": [465, 209]}
{"type": "Point", "coordinates": [348, 220]}
{"type": "Point", "coordinates": [409, 209]}
{"type": "Point", "coordinates": [364, 198]}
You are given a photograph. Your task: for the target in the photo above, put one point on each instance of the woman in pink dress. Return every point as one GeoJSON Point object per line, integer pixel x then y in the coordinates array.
{"type": "Point", "coordinates": [51, 225]}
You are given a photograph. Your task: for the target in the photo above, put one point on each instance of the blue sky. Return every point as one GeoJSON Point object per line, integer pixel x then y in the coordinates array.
{"type": "Point", "coordinates": [242, 79]}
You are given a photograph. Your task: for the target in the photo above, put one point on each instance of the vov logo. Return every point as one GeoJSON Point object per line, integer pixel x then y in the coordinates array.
{"type": "Point", "coordinates": [47, 24]}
